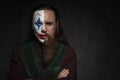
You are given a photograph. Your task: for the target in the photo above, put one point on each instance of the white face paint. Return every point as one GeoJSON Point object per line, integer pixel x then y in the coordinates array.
{"type": "Point", "coordinates": [38, 19]}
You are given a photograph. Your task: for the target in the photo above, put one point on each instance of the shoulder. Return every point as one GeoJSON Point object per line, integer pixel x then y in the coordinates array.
{"type": "Point", "coordinates": [70, 58]}
{"type": "Point", "coordinates": [18, 49]}
{"type": "Point", "coordinates": [70, 53]}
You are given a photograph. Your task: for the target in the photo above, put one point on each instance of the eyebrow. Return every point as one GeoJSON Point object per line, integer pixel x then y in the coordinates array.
{"type": "Point", "coordinates": [37, 14]}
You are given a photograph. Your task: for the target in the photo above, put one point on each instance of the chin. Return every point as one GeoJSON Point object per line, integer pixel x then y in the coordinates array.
{"type": "Point", "coordinates": [44, 41]}
{"type": "Point", "coordinates": [41, 40]}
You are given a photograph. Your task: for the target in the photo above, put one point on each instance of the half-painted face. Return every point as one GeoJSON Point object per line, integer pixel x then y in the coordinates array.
{"type": "Point", "coordinates": [44, 25]}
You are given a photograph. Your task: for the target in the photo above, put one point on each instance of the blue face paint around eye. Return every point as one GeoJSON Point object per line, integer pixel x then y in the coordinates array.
{"type": "Point", "coordinates": [39, 23]}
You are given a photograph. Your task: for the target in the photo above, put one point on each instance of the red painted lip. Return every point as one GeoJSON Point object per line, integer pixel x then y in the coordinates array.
{"type": "Point", "coordinates": [40, 35]}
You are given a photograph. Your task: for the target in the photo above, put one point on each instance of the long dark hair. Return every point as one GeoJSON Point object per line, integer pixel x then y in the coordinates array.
{"type": "Point", "coordinates": [60, 36]}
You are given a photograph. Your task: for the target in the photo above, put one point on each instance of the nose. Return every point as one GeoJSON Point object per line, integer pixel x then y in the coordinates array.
{"type": "Point", "coordinates": [43, 30]}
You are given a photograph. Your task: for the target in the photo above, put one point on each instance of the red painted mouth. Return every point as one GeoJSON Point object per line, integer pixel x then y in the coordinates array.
{"type": "Point", "coordinates": [40, 35]}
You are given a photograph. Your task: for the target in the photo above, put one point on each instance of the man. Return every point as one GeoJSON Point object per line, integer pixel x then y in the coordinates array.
{"type": "Point", "coordinates": [47, 55]}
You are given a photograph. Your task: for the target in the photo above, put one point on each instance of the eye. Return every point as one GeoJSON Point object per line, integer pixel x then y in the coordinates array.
{"type": "Point", "coordinates": [38, 23]}
{"type": "Point", "coordinates": [49, 23]}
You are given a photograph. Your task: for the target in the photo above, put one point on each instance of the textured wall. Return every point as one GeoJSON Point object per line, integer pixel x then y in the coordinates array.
{"type": "Point", "coordinates": [90, 28]}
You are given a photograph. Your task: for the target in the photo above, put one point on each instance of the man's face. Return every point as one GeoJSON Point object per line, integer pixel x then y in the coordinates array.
{"type": "Point", "coordinates": [44, 25]}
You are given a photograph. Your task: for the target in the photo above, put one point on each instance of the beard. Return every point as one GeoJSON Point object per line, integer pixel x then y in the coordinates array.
{"type": "Point", "coordinates": [49, 49]}
{"type": "Point", "coordinates": [50, 40]}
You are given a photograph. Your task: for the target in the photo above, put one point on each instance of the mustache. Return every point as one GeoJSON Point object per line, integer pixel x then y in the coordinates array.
{"type": "Point", "coordinates": [46, 35]}
{"type": "Point", "coordinates": [49, 37]}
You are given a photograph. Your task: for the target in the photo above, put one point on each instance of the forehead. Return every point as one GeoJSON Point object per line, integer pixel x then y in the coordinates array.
{"type": "Point", "coordinates": [46, 14]}
{"type": "Point", "coordinates": [38, 13]}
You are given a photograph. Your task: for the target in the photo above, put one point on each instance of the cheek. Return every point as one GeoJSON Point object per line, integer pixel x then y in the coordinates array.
{"type": "Point", "coordinates": [37, 28]}
{"type": "Point", "coordinates": [51, 30]}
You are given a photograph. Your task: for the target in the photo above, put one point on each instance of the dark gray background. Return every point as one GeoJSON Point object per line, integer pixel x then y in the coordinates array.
{"type": "Point", "coordinates": [91, 28]}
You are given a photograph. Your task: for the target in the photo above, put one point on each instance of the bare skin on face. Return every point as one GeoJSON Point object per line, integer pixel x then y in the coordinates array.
{"type": "Point", "coordinates": [50, 26]}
